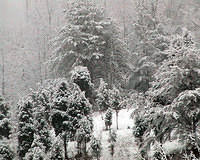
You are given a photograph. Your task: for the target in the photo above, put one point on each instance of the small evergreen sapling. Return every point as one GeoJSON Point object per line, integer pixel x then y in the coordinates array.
{"type": "Point", "coordinates": [96, 147]}
{"type": "Point", "coordinates": [108, 119]}
{"type": "Point", "coordinates": [140, 127]}
{"type": "Point", "coordinates": [112, 140]}
{"type": "Point", "coordinates": [83, 134]}
{"type": "Point", "coordinates": [115, 100]}
{"type": "Point", "coordinates": [103, 96]}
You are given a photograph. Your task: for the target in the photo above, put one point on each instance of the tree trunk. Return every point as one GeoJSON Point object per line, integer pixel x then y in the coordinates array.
{"type": "Point", "coordinates": [3, 74]}
{"type": "Point", "coordinates": [79, 148]}
{"type": "Point", "coordinates": [117, 119]}
{"type": "Point", "coordinates": [65, 146]}
{"type": "Point", "coordinates": [85, 148]}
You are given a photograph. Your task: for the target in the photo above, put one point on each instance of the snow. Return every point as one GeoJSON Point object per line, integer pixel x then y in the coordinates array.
{"type": "Point", "coordinates": [125, 147]}
{"type": "Point", "coordinates": [124, 135]}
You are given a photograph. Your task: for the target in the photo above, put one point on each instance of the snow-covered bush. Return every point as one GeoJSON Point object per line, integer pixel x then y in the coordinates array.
{"type": "Point", "coordinates": [84, 134]}
{"type": "Point", "coordinates": [140, 127]}
{"type": "Point", "coordinates": [5, 152]}
{"type": "Point", "coordinates": [112, 141]}
{"type": "Point", "coordinates": [56, 152]}
{"type": "Point", "coordinates": [108, 119]}
{"type": "Point", "coordinates": [81, 76]}
{"type": "Point", "coordinates": [96, 147]}
{"type": "Point", "coordinates": [37, 150]}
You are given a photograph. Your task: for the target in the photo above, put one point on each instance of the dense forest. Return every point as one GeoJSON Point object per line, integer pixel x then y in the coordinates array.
{"type": "Point", "coordinates": [99, 80]}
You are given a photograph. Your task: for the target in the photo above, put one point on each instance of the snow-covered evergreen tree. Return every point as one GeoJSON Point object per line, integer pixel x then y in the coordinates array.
{"type": "Point", "coordinates": [96, 147]}
{"type": "Point", "coordinates": [174, 95]}
{"type": "Point", "coordinates": [115, 102]}
{"type": "Point", "coordinates": [81, 76]}
{"type": "Point", "coordinates": [41, 100]}
{"type": "Point", "coordinates": [25, 126]}
{"type": "Point", "coordinates": [83, 135]}
{"type": "Point", "coordinates": [37, 150]}
{"type": "Point", "coordinates": [89, 39]}
{"type": "Point", "coordinates": [150, 43]}
{"type": "Point", "coordinates": [108, 119]}
{"type": "Point", "coordinates": [5, 125]}
{"type": "Point", "coordinates": [112, 140]}
{"type": "Point", "coordinates": [42, 130]}
{"type": "Point", "coordinates": [69, 107]}
{"type": "Point", "coordinates": [5, 152]}
{"type": "Point", "coordinates": [102, 98]}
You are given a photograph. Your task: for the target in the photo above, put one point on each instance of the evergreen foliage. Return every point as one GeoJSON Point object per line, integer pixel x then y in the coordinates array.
{"type": "Point", "coordinates": [41, 117]}
{"type": "Point", "coordinates": [84, 134]}
{"type": "Point", "coordinates": [150, 46]}
{"type": "Point", "coordinates": [108, 119]}
{"type": "Point", "coordinates": [81, 76]}
{"type": "Point", "coordinates": [5, 152]}
{"type": "Point", "coordinates": [96, 147]}
{"type": "Point", "coordinates": [140, 127]}
{"type": "Point", "coordinates": [112, 140]}
{"type": "Point", "coordinates": [174, 97]}
{"type": "Point", "coordinates": [102, 97]}
{"type": "Point", "coordinates": [37, 150]}
{"type": "Point", "coordinates": [89, 39]}
{"type": "Point", "coordinates": [69, 107]}
{"type": "Point", "coordinates": [115, 102]}
{"type": "Point", "coordinates": [56, 152]}
{"type": "Point", "coordinates": [5, 125]}
{"type": "Point", "coordinates": [26, 126]}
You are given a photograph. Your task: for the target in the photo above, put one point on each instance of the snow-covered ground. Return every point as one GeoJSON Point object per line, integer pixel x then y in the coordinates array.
{"type": "Point", "coordinates": [125, 147]}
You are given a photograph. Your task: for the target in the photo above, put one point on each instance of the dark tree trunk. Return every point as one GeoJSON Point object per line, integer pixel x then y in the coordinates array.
{"type": "Point", "coordinates": [85, 148]}
{"type": "Point", "coordinates": [117, 119]}
{"type": "Point", "coordinates": [65, 147]}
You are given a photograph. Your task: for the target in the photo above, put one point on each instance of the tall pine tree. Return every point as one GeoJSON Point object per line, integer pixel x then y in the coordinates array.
{"type": "Point", "coordinates": [89, 39]}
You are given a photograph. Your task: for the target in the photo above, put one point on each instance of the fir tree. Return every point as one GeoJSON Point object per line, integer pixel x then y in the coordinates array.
{"type": "Point", "coordinates": [69, 107]}
{"type": "Point", "coordinates": [89, 39]}
{"type": "Point", "coordinates": [83, 135]}
{"type": "Point", "coordinates": [37, 150]}
{"type": "Point", "coordinates": [174, 95]}
{"type": "Point", "coordinates": [108, 119]}
{"type": "Point", "coordinates": [151, 42]}
{"type": "Point", "coordinates": [40, 103]}
{"type": "Point", "coordinates": [96, 147]}
{"type": "Point", "coordinates": [5, 126]}
{"type": "Point", "coordinates": [112, 140]}
{"type": "Point", "coordinates": [26, 127]}
{"type": "Point", "coordinates": [115, 102]}
{"type": "Point", "coordinates": [5, 152]}
{"type": "Point", "coordinates": [81, 76]}
{"type": "Point", "coordinates": [102, 98]}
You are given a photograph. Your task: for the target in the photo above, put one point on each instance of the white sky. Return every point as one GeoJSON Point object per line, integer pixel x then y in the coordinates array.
{"type": "Point", "coordinates": [12, 13]}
